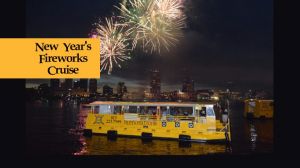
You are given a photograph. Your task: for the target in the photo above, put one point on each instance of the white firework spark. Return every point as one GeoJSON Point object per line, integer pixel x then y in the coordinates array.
{"type": "Point", "coordinates": [171, 9]}
{"type": "Point", "coordinates": [153, 23]}
{"type": "Point", "coordinates": [113, 44]}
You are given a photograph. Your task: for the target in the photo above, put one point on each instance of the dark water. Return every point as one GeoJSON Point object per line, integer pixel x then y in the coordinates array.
{"type": "Point", "coordinates": [54, 128]}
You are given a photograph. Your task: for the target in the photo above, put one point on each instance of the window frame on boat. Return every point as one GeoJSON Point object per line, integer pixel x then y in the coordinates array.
{"type": "Point", "coordinates": [194, 111]}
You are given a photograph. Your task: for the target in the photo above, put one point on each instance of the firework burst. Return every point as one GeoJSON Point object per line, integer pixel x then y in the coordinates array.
{"type": "Point", "coordinates": [113, 44]}
{"type": "Point", "coordinates": [171, 9]}
{"type": "Point", "coordinates": [154, 24]}
{"type": "Point", "coordinates": [151, 24]}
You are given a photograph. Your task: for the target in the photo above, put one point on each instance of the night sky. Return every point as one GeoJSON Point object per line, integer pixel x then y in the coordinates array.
{"type": "Point", "coordinates": [225, 42]}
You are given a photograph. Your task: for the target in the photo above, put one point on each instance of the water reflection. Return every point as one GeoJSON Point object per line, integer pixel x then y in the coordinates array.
{"type": "Point", "coordinates": [260, 133]}
{"type": "Point", "coordinates": [101, 145]}
{"type": "Point", "coordinates": [253, 136]}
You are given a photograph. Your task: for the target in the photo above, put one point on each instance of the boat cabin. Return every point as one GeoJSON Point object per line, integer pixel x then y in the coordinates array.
{"type": "Point", "coordinates": [155, 110]}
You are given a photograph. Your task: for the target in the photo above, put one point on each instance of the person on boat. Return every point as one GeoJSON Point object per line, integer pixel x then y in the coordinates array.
{"type": "Point", "coordinates": [154, 112]}
{"type": "Point", "coordinates": [202, 113]}
{"type": "Point", "coordinates": [225, 116]}
{"type": "Point", "coordinates": [164, 114]}
{"type": "Point", "coordinates": [172, 114]}
{"type": "Point", "coordinates": [143, 111]}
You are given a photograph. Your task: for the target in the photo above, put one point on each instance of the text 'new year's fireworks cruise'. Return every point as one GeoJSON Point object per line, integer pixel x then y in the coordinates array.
{"type": "Point", "coordinates": [50, 58]}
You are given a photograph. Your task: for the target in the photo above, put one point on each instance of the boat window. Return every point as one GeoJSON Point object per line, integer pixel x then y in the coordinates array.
{"type": "Point", "coordinates": [142, 110]}
{"type": "Point", "coordinates": [164, 110]}
{"type": "Point", "coordinates": [133, 109]}
{"type": "Point", "coordinates": [147, 110]}
{"type": "Point", "coordinates": [126, 109]}
{"type": "Point", "coordinates": [152, 110]}
{"type": "Point", "coordinates": [210, 111]}
{"type": "Point", "coordinates": [203, 112]}
{"type": "Point", "coordinates": [96, 109]}
{"type": "Point", "coordinates": [183, 111]}
{"type": "Point", "coordinates": [105, 109]}
{"type": "Point", "coordinates": [117, 109]}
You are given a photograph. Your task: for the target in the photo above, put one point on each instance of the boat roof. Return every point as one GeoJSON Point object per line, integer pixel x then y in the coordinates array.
{"type": "Point", "coordinates": [187, 104]}
{"type": "Point", "coordinates": [259, 100]}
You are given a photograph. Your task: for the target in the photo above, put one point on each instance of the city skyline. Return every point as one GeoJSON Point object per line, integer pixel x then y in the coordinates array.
{"type": "Point", "coordinates": [138, 86]}
{"type": "Point", "coordinates": [224, 42]}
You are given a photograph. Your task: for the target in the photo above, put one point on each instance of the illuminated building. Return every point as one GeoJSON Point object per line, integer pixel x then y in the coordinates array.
{"type": "Point", "coordinates": [76, 85]}
{"type": "Point", "coordinates": [148, 96]}
{"type": "Point", "coordinates": [204, 94]}
{"type": "Point", "coordinates": [132, 96]}
{"type": "Point", "coordinates": [235, 95]}
{"type": "Point", "coordinates": [93, 86]}
{"type": "Point", "coordinates": [83, 84]}
{"type": "Point", "coordinates": [121, 89]}
{"type": "Point", "coordinates": [79, 93]}
{"type": "Point", "coordinates": [107, 91]}
{"type": "Point", "coordinates": [183, 96]}
{"type": "Point", "coordinates": [62, 86]}
{"type": "Point", "coordinates": [155, 83]}
{"type": "Point", "coordinates": [188, 85]}
{"type": "Point", "coordinates": [68, 84]}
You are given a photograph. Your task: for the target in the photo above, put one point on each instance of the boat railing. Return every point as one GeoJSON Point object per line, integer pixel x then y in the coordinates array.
{"type": "Point", "coordinates": [179, 118]}
{"type": "Point", "coordinates": [148, 116]}
{"type": "Point", "coordinates": [175, 118]}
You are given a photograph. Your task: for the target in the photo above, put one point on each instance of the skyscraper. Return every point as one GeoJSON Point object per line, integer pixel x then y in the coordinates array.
{"type": "Point", "coordinates": [83, 83]}
{"type": "Point", "coordinates": [76, 84]}
{"type": "Point", "coordinates": [121, 89]}
{"type": "Point", "coordinates": [68, 84]}
{"type": "Point", "coordinates": [188, 85]}
{"type": "Point", "coordinates": [54, 84]}
{"type": "Point", "coordinates": [93, 86]}
{"type": "Point", "coordinates": [155, 83]}
{"type": "Point", "coordinates": [107, 91]}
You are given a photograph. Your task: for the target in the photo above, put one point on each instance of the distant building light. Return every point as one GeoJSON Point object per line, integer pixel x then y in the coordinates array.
{"type": "Point", "coordinates": [215, 97]}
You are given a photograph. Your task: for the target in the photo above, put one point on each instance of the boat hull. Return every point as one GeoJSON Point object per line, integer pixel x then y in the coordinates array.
{"type": "Point", "coordinates": [112, 125]}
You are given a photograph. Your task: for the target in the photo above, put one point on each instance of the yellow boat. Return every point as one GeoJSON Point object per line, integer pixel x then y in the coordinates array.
{"type": "Point", "coordinates": [167, 120]}
{"type": "Point", "coordinates": [255, 108]}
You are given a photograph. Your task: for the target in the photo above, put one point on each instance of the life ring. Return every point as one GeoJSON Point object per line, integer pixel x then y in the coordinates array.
{"type": "Point", "coordinates": [191, 125]}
